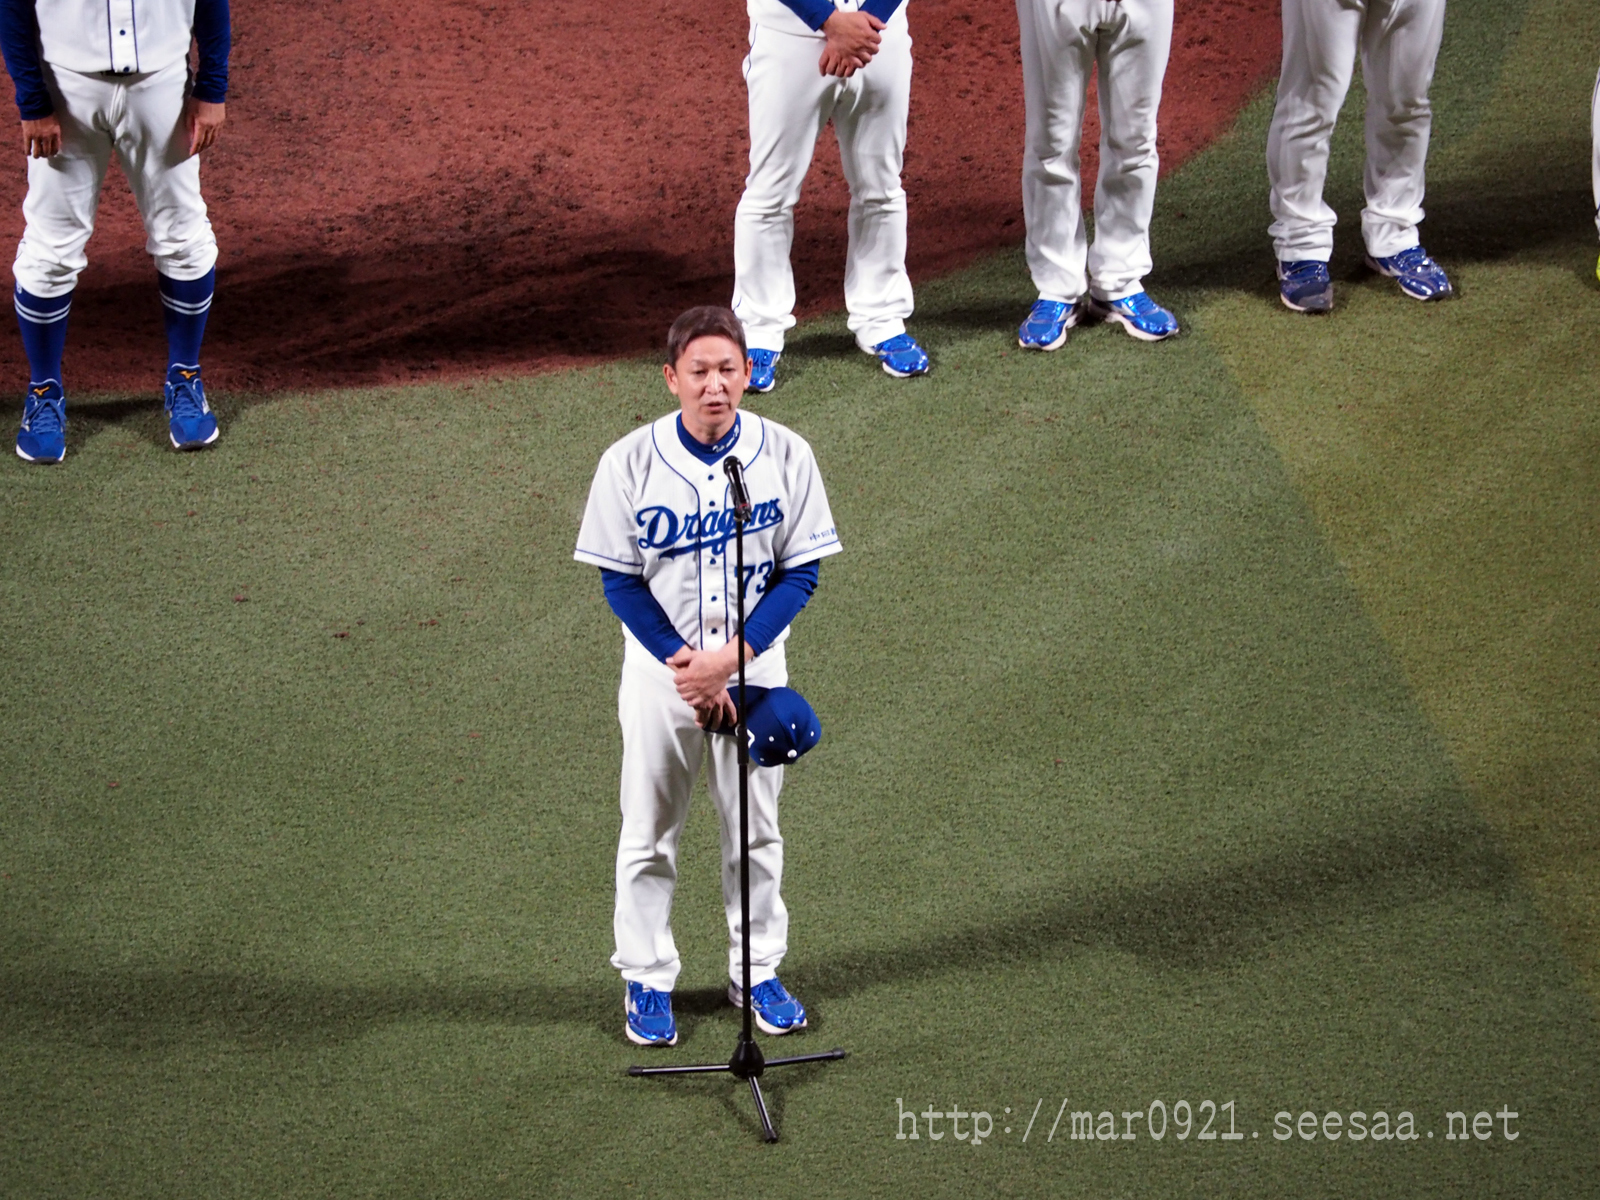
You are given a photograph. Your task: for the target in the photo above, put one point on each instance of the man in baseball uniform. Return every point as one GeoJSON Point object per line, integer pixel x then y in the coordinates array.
{"type": "Point", "coordinates": [1398, 41]}
{"type": "Point", "coordinates": [1062, 43]}
{"type": "Point", "coordinates": [93, 78]}
{"type": "Point", "coordinates": [659, 525]}
{"type": "Point", "coordinates": [812, 61]}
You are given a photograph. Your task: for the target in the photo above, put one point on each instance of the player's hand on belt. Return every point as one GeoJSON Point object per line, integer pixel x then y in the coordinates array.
{"type": "Point", "coordinates": [42, 138]}
{"type": "Point", "coordinates": [203, 121]}
{"type": "Point", "coordinates": [853, 39]}
{"type": "Point", "coordinates": [701, 676]}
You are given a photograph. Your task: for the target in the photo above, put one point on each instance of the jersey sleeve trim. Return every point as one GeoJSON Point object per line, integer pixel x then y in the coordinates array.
{"type": "Point", "coordinates": [605, 562]}
{"type": "Point", "coordinates": [811, 554]}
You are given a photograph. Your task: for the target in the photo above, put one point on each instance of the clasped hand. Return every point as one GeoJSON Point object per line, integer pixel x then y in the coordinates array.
{"type": "Point", "coordinates": [701, 677]}
{"type": "Point", "coordinates": [853, 39]}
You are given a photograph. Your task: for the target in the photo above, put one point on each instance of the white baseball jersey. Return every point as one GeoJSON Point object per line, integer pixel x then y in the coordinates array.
{"type": "Point", "coordinates": [125, 36]}
{"type": "Point", "coordinates": [658, 511]}
{"type": "Point", "coordinates": [775, 14]}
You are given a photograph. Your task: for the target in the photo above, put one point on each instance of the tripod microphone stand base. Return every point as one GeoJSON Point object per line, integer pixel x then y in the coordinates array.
{"type": "Point", "coordinates": [747, 1063]}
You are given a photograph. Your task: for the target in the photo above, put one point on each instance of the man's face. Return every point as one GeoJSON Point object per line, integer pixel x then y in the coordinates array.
{"type": "Point", "coordinates": [708, 379]}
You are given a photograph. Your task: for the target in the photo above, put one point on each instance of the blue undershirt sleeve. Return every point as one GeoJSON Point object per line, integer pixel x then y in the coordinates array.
{"type": "Point", "coordinates": [630, 598]}
{"type": "Point", "coordinates": [19, 40]}
{"type": "Point", "coordinates": [812, 12]}
{"type": "Point", "coordinates": [213, 33]}
{"type": "Point", "coordinates": [786, 596]}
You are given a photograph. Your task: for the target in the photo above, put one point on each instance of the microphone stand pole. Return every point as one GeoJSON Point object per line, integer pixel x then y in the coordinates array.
{"type": "Point", "coordinates": [747, 1062]}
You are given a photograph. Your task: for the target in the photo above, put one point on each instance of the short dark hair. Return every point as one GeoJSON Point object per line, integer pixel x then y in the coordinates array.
{"type": "Point", "coordinates": [706, 321]}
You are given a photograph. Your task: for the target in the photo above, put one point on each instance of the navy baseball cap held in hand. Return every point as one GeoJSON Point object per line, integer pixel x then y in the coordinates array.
{"type": "Point", "coordinates": [782, 725]}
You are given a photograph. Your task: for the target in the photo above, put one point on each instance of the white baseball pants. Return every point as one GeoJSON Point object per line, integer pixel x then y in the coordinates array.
{"type": "Point", "coordinates": [790, 103]}
{"type": "Point", "coordinates": [1062, 42]}
{"type": "Point", "coordinates": [662, 749]}
{"type": "Point", "coordinates": [140, 118]}
{"type": "Point", "coordinates": [1594, 126]}
{"type": "Point", "coordinates": [1398, 41]}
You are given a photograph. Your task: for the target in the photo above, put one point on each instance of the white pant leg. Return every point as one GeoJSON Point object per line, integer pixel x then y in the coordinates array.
{"type": "Point", "coordinates": [64, 190]}
{"type": "Point", "coordinates": [1399, 45]}
{"type": "Point", "coordinates": [769, 918]}
{"type": "Point", "coordinates": [1595, 129]}
{"type": "Point", "coordinates": [1058, 53]}
{"type": "Point", "coordinates": [1133, 50]}
{"type": "Point", "coordinates": [1320, 41]}
{"type": "Point", "coordinates": [790, 102]}
{"type": "Point", "coordinates": [141, 119]}
{"type": "Point", "coordinates": [153, 149]}
{"type": "Point", "coordinates": [661, 753]}
{"type": "Point", "coordinates": [662, 749]}
{"type": "Point", "coordinates": [869, 120]}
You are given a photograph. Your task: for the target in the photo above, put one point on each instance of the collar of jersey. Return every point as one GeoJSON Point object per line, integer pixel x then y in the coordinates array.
{"type": "Point", "coordinates": [708, 454]}
{"type": "Point", "coordinates": [691, 467]}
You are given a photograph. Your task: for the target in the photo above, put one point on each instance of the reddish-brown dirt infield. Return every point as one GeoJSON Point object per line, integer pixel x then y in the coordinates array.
{"type": "Point", "coordinates": [409, 190]}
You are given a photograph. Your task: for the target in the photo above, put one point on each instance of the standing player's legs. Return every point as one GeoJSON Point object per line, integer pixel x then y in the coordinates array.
{"type": "Point", "coordinates": [59, 212]}
{"type": "Point", "coordinates": [1399, 45]}
{"type": "Point", "coordinates": [1132, 54]}
{"type": "Point", "coordinates": [661, 753]}
{"type": "Point", "coordinates": [152, 145]}
{"type": "Point", "coordinates": [1320, 41]}
{"type": "Point", "coordinates": [869, 120]}
{"type": "Point", "coordinates": [1594, 126]}
{"type": "Point", "coordinates": [1058, 51]}
{"type": "Point", "coordinates": [790, 102]}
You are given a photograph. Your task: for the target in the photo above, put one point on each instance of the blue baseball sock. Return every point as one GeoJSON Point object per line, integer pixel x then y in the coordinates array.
{"type": "Point", "coordinates": [44, 332]}
{"type": "Point", "coordinates": [184, 305]}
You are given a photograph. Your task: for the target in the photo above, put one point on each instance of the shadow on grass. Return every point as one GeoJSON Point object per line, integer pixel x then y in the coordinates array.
{"type": "Point", "coordinates": [1198, 923]}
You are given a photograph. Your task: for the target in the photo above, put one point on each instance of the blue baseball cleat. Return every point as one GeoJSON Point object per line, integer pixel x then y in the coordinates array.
{"type": "Point", "coordinates": [763, 369]}
{"type": "Point", "coordinates": [774, 1009]}
{"type": "Point", "coordinates": [901, 356]}
{"type": "Point", "coordinates": [650, 1021]}
{"type": "Point", "coordinates": [1418, 275]}
{"type": "Point", "coordinates": [190, 421]}
{"type": "Point", "coordinates": [1141, 316]}
{"type": "Point", "coordinates": [1305, 286]}
{"type": "Point", "coordinates": [1047, 324]}
{"type": "Point", "coordinates": [43, 436]}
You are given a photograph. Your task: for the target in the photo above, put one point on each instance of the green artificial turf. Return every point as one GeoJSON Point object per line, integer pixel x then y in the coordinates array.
{"type": "Point", "coordinates": [1169, 711]}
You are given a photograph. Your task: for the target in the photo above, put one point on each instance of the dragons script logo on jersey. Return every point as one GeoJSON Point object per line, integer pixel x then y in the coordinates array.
{"type": "Point", "coordinates": [666, 531]}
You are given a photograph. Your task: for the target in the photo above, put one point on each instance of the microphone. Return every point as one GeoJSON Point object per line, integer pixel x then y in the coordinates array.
{"type": "Point", "coordinates": [741, 496]}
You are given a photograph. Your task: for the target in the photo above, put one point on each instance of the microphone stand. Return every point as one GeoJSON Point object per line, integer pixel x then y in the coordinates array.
{"type": "Point", "coordinates": [747, 1062]}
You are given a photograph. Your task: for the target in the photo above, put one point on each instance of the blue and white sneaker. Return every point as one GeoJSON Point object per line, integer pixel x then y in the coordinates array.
{"type": "Point", "coordinates": [1141, 316]}
{"type": "Point", "coordinates": [1305, 286]}
{"type": "Point", "coordinates": [763, 369]}
{"type": "Point", "coordinates": [1418, 275]}
{"type": "Point", "coordinates": [775, 1011]}
{"type": "Point", "coordinates": [650, 1021]}
{"type": "Point", "coordinates": [43, 436]}
{"type": "Point", "coordinates": [901, 356]}
{"type": "Point", "coordinates": [190, 421]}
{"type": "Point", "coordinates": [1047, 324]}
